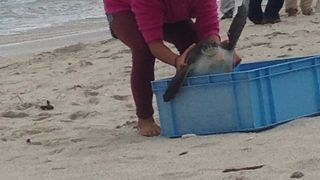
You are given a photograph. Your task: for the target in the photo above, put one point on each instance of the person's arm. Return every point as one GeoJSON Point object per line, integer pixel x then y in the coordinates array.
{"type": "Point", "coordinates": [149, 16]}
{"type": "Point", "coordinates": [163, 53]}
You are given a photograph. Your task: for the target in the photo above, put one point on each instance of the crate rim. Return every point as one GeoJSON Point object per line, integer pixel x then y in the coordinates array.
{"type": "Point", "coordinates": [247, 78]}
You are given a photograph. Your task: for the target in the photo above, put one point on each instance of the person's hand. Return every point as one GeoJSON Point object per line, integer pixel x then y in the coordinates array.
{"type": "Point", "coordinates": [180, 61]}
{"type": "Point", "coordinates": [236, 57]}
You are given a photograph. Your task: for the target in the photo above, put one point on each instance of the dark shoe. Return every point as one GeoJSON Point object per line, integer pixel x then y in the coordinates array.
{"type": "Point", "coordinates": [272, 21]}
{"type": "Point", "coordinates": [292, 11]}
{"type": "Point", "coordinates": [255, 21]}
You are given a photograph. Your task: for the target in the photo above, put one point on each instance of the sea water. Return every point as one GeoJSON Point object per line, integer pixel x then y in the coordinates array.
{"type": "Point", "coordinates": [18, 16]}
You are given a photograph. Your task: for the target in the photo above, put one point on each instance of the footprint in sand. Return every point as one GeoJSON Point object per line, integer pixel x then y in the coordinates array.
{"type": "Point", "coordinates": [315, 21]}
{"type": "Point", "coordinates": [106, 51]}
{"type": "Point", "coordinates": [42, 116]}
{"type": "Point", "coordinates": [288, 45]}
{"type": "Point", "coordinates": [179, 174]}
{"type": "Point", "coordinates": [76, 140]}
{"type": "Point", "coordinates": [96, 146]}
{"type": "Point", "coordinates": [205, 145]}
{"type": "Point", "coordinates": [127, 69]}
{"type": "Point", "coordinates": [310, 164]}
{"type": "Point", "coordinates": [28, 131]}
{"type": "Point", "coordinates": [56, 151]}
{"type": "Point", "coordinates": [96, 87]}
{"type": "Point", "coordinates": [24, 106]}
{"type": "Point", "coordinates": [133, 124]}
{"type": "Point", "coordinates": [130, 106]}
{"type": "Point", "coordinates": [283, 56]}
{"type": "Point", "coordinates": [300, 32]}
{"type": "Point", "coordinates": [260, 44]}
{"type": "Point", "coordinates": [84, 63]}
{"type": "Point", "coordinates": [90, 93]}
{"type": "Point", "coordinates": [115, 57]}
{"type": "Point", "coordinates": [108, 41]}
{"type": "Point", "coordinates": [94, 101]}
{"type": "Point", "coordinates": [70, 49]}
{"type": "Point", "coordinates": [70, 70]}
{"type": "Point", "coordinates": [57, 168]}
{"type": "Point", "coordinates": [124, 51]}
{"type": "Point", "coordinates": [56, 142]}
{"type": "Point", "coordinates": [315, 33]}
{"type": "Point", "coordinates": [120, 97]}
{"type": "Point", "coordinates": [12, 114]}
{"type": "Point", "coordinates": [79, 114]}
{"type": "Point", "coordinates": [82, 115]}
{"type": "Point", "coordinates": [75, 104]}
{"type": "Point", "coordinates": [75, 87]}
{"type": "Point", "coordinates": [275, 34]}
{"type": "Point", "coordinates": [241, 178]}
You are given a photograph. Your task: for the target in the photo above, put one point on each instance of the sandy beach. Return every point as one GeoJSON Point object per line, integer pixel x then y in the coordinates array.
{"type": "Point", "coordinates": [91, 132]}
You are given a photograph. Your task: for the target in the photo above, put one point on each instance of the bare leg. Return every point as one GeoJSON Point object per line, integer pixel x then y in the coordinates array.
{"type": "Point", "coordinates": [306, 7]}
{"type": "Point", "coordinates": [292, 7]}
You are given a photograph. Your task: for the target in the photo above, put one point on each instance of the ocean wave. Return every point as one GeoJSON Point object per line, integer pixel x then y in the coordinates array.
{"type": "Point", "coordinates": [17, 16]}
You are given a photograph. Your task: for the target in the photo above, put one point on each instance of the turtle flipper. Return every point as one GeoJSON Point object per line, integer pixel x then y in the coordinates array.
{"type": "Point", "coordinates": [176, 83]}
{"type": "Point", "coordinates": [237, 25]}
{"type": "Point", "coordinates": [193, 56]}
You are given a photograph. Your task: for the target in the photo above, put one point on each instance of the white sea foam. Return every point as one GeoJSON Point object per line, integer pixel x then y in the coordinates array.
{"type": "Point", "coordinates": [17, 16]}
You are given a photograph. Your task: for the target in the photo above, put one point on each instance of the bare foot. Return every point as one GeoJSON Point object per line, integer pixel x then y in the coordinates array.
{"type": "Point", "coordinates": [292, 11]}
{"type": "Point", "coordinates": [307, 11]}
{"type": "Point", "coordinates": [147, 127]}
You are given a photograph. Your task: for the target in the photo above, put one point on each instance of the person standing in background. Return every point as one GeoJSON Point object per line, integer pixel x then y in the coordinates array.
{"type": "Point", "coordinates": [292, 7]}
{"type": "Point", "coordinates": [269, 16]}
{"type": "Point", "coordinates": [226, 8]}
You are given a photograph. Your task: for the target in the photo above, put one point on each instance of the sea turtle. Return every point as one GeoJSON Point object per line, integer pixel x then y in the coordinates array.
{"type": "Point", "coordinates": [209, 57]}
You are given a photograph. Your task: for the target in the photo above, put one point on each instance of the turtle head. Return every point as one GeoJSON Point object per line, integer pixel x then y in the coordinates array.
{"type": "Point", "coordinates": [209, 48]}
{"type": "Point", "coordinates": [203, 48]}
{"type": "Point", "coordinates": [210, 57]}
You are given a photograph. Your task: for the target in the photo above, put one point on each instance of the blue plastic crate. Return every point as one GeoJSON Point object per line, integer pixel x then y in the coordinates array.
{"type": "Point", "coordinates": [255, 96]}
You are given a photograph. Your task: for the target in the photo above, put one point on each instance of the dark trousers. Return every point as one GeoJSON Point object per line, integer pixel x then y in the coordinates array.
{"type": "Point", "coordinates": [125, 28]}
{"type": "Point", "coordinates": [271, 12]}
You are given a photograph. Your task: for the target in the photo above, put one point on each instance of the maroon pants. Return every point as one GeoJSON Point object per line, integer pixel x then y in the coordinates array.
{"type": "Point", "coordinates": [124, 26]}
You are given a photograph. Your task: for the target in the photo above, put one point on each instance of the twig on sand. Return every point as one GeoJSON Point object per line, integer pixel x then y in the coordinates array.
{"type": "Point", "coordinates": [47, 107]}
{"type": "Point", "coordinates": [242, 169]}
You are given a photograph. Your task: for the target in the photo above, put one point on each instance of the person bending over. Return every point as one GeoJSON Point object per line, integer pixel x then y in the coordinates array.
{"type": "Point", "coordinates": [144, 25]}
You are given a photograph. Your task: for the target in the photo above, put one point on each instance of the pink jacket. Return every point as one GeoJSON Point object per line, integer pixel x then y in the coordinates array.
{"type": "Point", "coordinates": [152, 14]}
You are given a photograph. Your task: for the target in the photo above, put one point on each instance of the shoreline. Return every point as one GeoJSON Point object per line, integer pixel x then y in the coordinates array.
{"type": "Point", "coordinates": [49, 38]}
